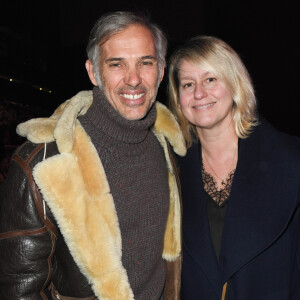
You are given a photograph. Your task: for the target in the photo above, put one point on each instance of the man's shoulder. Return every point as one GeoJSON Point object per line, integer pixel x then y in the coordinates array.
{"type": "Point", "coordinates": [59, 126]}
{"type": "Point", "coordinates": [30, 153]}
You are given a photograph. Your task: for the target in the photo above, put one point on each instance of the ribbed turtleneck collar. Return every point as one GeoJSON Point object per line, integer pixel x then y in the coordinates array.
{"type": "Point", "coordinates": [106, 119]}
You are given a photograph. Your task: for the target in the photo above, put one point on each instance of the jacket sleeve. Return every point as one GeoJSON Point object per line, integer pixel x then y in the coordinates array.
{"type": "Point", "coordinates": [27, 239]}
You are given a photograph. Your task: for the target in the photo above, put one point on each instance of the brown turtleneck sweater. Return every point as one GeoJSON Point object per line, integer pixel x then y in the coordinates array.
{"type": "Point", "coordinates": [136, 170]}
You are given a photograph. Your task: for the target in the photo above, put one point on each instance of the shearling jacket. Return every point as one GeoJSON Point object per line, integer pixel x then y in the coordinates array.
{"type": "Point", "coordinates": [56, 195]}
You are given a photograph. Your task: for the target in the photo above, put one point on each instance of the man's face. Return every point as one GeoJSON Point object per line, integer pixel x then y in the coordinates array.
{"type": "Point", "coordinates": [129, 71]}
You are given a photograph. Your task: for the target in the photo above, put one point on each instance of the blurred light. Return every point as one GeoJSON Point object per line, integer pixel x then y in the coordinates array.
{"type": "Point", "coordinates": [20, 81]}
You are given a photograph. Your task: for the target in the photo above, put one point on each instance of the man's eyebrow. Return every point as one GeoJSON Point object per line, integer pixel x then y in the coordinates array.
{"type": "Point", "coordinates": [114, 59]}
{"type": "Point", "coordinates": [111, 59]}
{"type": "Point", "coordinates": [147, 57]}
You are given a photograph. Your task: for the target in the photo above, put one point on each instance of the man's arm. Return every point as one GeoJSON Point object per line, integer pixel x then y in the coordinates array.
{"type": "Point", "coordinates": [27, 239]}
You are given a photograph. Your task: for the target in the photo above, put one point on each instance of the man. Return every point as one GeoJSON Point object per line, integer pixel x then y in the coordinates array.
{"type": "Point", "coordinates": [91, 207]}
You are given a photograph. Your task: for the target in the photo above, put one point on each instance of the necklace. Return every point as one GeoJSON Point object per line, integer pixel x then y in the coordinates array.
{"type": "Point", "coordinates": [223, 182]}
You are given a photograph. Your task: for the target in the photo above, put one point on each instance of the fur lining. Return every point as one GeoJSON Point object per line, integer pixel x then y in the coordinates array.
{"type": "Point", "coordinates": [172, 239]}
{"type": "Point", "coordinates": [60, 126]}
{"type": "Point", "coordinates": [85, 212]}
{"type": "Point", "coordinates": [75, 187]}
{"type": "Point", "coordinates": [166, 125]}
{"type": "Point", "coordinates": [64, 131]}
{"type": "Point", "coordinates": [38, 130]}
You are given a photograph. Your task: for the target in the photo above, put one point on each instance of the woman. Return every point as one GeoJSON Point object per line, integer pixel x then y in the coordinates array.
{"type": "Point", "coordinates": [240, 182]}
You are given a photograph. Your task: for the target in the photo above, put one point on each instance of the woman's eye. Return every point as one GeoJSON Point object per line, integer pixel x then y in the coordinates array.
{"type": "Point", "coordinates": [187, 85]}
{"type": "Point", "coordinates": [211, 79]}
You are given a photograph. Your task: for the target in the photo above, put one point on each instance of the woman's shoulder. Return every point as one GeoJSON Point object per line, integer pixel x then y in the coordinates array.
{"type": "Point", "coordinates": [270, 133]}
{"type": "Point", "coordinates": [272, 142]}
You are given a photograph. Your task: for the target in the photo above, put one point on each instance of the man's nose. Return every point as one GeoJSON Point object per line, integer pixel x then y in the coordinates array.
{"type": "Point", "coordinates": [132, 77]}
{"type": "Point", "coordinates": [200, 92]}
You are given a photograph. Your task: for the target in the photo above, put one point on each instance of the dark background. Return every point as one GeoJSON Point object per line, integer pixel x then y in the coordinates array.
{"type": "Point", "coordinates": [42, 50]}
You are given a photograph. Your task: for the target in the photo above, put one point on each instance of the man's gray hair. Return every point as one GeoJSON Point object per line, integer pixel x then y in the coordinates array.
{"type": "Point", "coordinates": [110, 24]}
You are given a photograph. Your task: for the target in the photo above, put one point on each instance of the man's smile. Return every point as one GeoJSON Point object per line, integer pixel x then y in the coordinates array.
{"type": "Point", "coordinates": [132, 97]}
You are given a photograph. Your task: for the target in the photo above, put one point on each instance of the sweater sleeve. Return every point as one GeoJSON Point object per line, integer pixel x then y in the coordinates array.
{"type": "Point", "coordinates": [26, 238]}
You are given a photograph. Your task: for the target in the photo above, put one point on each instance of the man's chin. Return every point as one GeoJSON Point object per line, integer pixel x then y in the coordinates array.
{"type": "Point", "coordinates": [134, 114]}
{"type": "Point", "coordinates": [133, 117]}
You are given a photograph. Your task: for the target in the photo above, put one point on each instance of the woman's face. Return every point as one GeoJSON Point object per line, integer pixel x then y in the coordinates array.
{"type": "Point", "coordinates": [205, 100]}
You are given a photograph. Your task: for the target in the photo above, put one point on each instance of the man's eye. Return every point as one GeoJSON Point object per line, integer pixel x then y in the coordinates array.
{"type": "Point", "coordinates": [147, 63]}
{"type": "Point", "coordinates": [115, 65]}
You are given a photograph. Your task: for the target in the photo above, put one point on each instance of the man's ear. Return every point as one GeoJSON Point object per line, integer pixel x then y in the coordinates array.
{"type": "Point", "coordinates": [90, 69]}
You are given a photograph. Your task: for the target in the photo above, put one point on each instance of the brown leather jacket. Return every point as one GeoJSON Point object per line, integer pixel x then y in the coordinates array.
{"type": "Point", "coordinates": [35, 261]}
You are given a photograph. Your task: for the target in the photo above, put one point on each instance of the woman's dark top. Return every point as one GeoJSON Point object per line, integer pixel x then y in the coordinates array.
{"type": "Point", "coordinates": [216, 205]}
{"type": "Point", "coordinates": [216, 217]}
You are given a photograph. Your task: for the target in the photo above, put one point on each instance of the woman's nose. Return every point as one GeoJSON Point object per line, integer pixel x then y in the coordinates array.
{"type": "Point", "coordinates": [200, 92]}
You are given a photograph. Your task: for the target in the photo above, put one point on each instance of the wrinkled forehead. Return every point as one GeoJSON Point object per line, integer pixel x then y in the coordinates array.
{"type": "Point", "coordinates": [132, 32]}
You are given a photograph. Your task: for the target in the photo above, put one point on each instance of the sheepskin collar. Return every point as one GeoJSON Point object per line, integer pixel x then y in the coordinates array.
{"type": "Point", "coordinates": [75, 187]}
{"type": "Point", "coordinates": [61, 125]}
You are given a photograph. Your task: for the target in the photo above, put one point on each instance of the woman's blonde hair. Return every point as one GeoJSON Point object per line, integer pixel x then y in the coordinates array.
{"type": "Point", "coordinates": [217, 57]}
